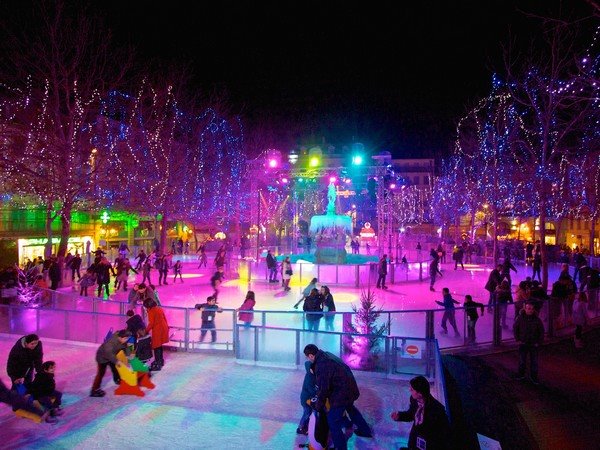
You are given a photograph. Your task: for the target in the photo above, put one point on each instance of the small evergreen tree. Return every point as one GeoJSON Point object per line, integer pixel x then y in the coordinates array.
{"type": "Point", "coordinates": [365, 323]}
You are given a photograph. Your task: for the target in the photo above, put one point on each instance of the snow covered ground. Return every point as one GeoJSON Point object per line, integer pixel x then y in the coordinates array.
{"type": "Point", "coordinates": [200, 402]}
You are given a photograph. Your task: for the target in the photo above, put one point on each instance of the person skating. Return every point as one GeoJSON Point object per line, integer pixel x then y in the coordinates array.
{"type": "Point", "coordinates": [177, 271]}
{"type": "Point", "coordinates": [309, 390]}
{"type": "Point", "coordinates": [106, 356]}
{"type": "Point", "coordinates": [272, 267]}
{"type": "Point", "coordinates": [287, 272]}
{"type": "Point", "coordinates": [328, 307]}
{"type": "Point", "coordinates": [209, 310]}
{"type": "Point", "coordinates": [313, 307]}
{"type": "Point", "coordinates": [382, 271]}
{"type": "Point", "coordinates": [245, 313]}
{"type": "Point", "coordinates": [472, 317]}
{"type": "Point", "coordinates": [306, 292]}
{"type": "Point", "coordinates": [159, 328]}
{"type": "Point", "coordinates": [434, 269]}
{"type": "Point", "coordinates": [449, 312]}
{"type": "Point", "coordinates": [336, 383]}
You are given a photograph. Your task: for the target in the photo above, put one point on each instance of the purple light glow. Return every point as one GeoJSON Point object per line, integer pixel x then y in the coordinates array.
{"type": "Point", "coordinates": [272, 163]}
{"type": "Point", "coordinates": [284, 180]}
{"type": "Point", "coordinates": [332, 179]}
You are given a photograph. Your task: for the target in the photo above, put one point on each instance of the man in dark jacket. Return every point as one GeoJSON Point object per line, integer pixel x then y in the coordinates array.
{"type": "Point", "coordinates": [337, 384]}
{"type": "Point", "coordinates": [382, 272]}
{"type": "Point", "coordinates": [529, 333]}
{"type": "Point", "coordinates": [75, 265]}
{"type": "Point", "coordinates": [492, 283]}
{"type": "Point", "coordinates": [272, 266]}
{"type": "Point", "coordinates": [431, 429]}
{"type": "Point", "coordinates": [55, 274]}
{"type": "Point", "coordinates": [26, 354]}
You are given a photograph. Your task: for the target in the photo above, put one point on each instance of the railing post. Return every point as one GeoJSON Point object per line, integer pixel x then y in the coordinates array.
{"type": "Point", "coordinates": [256, 344]}
{"type": "Point", "coordinates": [429, 325]}
{"type": "Point", "coordinates": [392, 273]}
{"type": "Point", "coordinates": [300, 272]}
{"type": "Point", "coordinates": [297, 347]}
{"type": "Point", "coordinates": [497, 329]}
{"type": "Point", "coordinates": [389, 324]}
{"type": "Point", "coordinates": [420, 270]}
{"type": "Point", "coordinates": [263, 315]}
{"type": "Point", "coordinates": [236, 338]}
{"type": "Point", "coordinates": [387, 355]}
{"type": "Point", "coordinates": [357, 276]}
{"type": "Point", "coordinates": [186, 333]}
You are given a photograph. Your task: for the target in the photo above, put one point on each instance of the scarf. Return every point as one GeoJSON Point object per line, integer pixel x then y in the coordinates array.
{"type": "Point", "coordinates": [419, 412]}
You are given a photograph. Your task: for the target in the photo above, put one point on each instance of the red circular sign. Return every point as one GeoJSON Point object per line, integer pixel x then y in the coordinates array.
{"type": "Point", "coordinates": [412, 349]}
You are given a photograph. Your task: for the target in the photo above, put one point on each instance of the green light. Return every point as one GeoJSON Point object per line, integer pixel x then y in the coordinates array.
{"type": "Point", "coordinates": [314, 161]}
{"type": "Point", "coordinates": [300, 180]}
{"type": "Point", "coordinates": [357, 160]}
{"type": "Point", "coordinates": [104, 217]}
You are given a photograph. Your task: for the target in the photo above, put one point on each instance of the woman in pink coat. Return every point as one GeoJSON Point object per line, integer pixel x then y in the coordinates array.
{"type": "Point", "coordinates": [158, 326]}
{"type": "Point", "coordinates": [244, 315]}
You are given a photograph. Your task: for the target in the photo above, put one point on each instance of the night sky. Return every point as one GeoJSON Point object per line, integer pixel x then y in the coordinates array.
{"type": "Point", "coordinates": [394, 75]}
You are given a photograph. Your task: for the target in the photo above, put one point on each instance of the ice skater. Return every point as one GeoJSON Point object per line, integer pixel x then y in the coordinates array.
{"type": "Point", "coordinates": [209, 310]}
{"type": "Point", "coordinates": [449, 312]}
{"type": "Point", "coordinates": [177, 271]}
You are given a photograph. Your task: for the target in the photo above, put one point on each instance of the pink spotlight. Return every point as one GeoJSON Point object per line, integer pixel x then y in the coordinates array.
{"type": "Point", "coordinates": [393, 186]}
{"type": "Point", "coordinates": [272, 163]}
{"type": "Point", "coordinates": [332, 179]}
{"type": "Point", "coordinates": [348, 181]}
{"type": "Point", "coordinates": [284, 180]}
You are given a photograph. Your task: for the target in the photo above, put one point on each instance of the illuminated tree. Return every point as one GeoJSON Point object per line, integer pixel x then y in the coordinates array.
{"type": "Point", "coordinates": [61, 67]}
{"type": "Point", "coordinates": [553, 102]}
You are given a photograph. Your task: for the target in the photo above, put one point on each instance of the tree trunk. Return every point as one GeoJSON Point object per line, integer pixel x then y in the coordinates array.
{"type": "Point", "coordinates": [456, 229]}
{"type": "Point", "coordinates": [49, 219]}
{"type": "Point", "coordinates": [65, 231]}
{"type": "Point", "coordinates": [473, 230]}
{"type": "Point", "coordinates": [495, 251]}
{"type": "Point", "coordinates": [544, 250]}
{"type": "Point", "coordinates": [593, 236]}
{"type": "Point", "coordinates": [163, 234]}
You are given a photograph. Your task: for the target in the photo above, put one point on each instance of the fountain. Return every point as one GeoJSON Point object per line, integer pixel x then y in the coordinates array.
{"type": "Point", "coordinates": [331, 231]}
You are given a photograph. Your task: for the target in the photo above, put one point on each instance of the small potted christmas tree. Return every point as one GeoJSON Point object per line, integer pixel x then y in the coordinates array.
{"type": "Point", "coordinates": [362, 351]}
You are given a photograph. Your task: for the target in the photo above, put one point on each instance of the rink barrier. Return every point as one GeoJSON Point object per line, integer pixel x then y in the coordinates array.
{"type": "Point", "coordinates": [186, 325]}
{"type": "Point", "coordinates": [338, 274]}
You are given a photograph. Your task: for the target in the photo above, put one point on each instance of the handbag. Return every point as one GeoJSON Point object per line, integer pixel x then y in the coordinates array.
{"type": "Point", "coordinates": [289, 272]}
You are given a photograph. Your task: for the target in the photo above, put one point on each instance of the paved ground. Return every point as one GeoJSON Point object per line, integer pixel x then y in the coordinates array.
{"type": "Point", "coordinates": [561, 413]}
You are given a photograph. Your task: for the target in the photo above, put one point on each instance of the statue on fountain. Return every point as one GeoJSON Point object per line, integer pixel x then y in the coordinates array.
{"type": "Point", "coordinates": [330, 232]}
